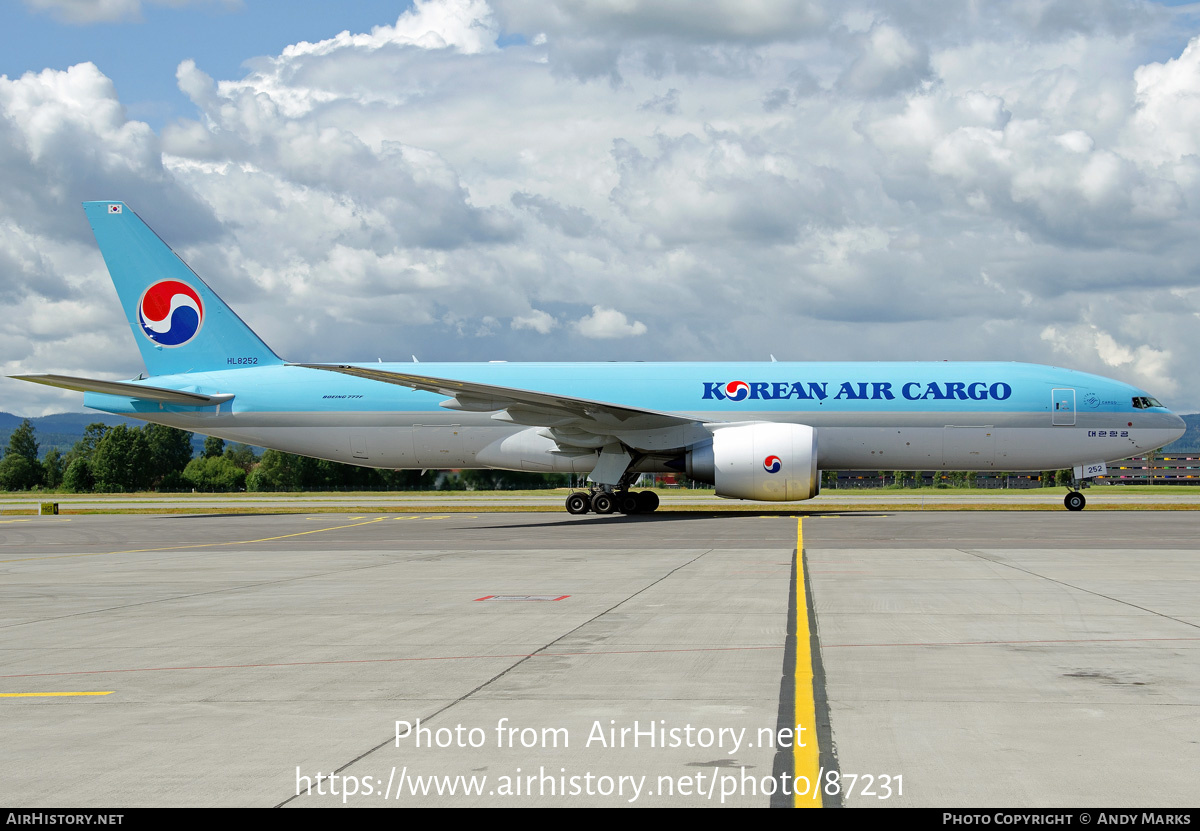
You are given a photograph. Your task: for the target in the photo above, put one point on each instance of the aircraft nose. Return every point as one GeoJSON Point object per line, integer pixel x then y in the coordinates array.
{"type": "Point", "coordinates": [1178, 426]}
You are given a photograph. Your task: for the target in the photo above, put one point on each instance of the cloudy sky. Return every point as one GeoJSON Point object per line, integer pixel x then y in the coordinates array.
{"type": "Point", "coordinates": [615, 179]}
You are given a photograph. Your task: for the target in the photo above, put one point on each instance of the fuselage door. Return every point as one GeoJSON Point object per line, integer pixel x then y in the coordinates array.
{"type": "Point", "coordinates": [1062, 407]}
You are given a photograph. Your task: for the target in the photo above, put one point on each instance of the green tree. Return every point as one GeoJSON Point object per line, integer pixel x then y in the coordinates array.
{"type": "Point", "coordinates": [277, 471]}
{"type": "Point", "coordinates": [406, 480]}
{"type": "Point", "coordinates": [23, 442]}
{"type": "Point", "coordinates": [216, 474]}
{"type": "Point", "coordinates": [241, 455]}
{"type": "Point", "coordinates": [118, 463]}
{"type": "Point", "coordinates": [213, 447]}
{"type": "Point", "coordinates": [168, 452]}
{"type": "Point", "coordinates": [86, 446]}
{"type": "Point", "coordinates": [78, 476]}
{"type": "Point", "coordinates": [18, 474]}
{"type": "Point", "coordinates": [20, 468]}
{"type": "Point", "coordinates": [257, 482]}
{"type": "Point", "coordinates": [53, 468]}
{"type": "Point", "coordinates": [509, 480]}
{"type": "Point", "coordinates": [451, 482]}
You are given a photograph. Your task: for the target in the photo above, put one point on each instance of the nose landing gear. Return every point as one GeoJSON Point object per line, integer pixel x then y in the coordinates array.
{"type": "Point", "coordinates": [1074, 501]}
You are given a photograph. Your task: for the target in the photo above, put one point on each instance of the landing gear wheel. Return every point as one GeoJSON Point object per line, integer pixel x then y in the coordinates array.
{"type": "Point", "coordinates": [1074, 501]}
{"type": "Point", "coordinates": [603, 503]}
{"type": "Point", "coordinates": [628, 503]}
{"type": "Point", "coordinates": [578, 503]}
{"type": "Point", "coordinates": [647, 501]}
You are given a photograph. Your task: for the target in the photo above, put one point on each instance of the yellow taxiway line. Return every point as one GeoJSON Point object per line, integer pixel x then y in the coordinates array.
{"type": "Point", "coordinates": [805, 757]}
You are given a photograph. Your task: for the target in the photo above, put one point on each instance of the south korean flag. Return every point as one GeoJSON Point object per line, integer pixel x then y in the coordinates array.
{"type": "Point", "coordinates": [114, 209]}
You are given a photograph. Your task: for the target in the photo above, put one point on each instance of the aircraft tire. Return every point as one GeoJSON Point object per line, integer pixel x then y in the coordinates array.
{"type": "Point", "coordinates": [1074, 501]}
{"type": "Point", "coordinates": [628, 503]}
{"type": "Point", "coordinates": [578, 503]}
{"type": "Point", "coordinates": [647, 501]}
{"type": "Point", "coordinates": [603, 503]}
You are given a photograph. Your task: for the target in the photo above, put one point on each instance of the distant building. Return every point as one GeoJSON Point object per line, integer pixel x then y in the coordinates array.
{"type": "Point", "coordinates": [1159, 468]}
{"type": "Point", "coordinates": [1155, 468]}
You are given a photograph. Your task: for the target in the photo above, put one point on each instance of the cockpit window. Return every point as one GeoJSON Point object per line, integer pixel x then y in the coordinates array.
{"type": "Point", "coordinates": [1142, 402]}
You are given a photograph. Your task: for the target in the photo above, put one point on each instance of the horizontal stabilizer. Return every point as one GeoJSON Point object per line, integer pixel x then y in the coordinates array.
{"type": "Point", "coordinates": [127, 389]}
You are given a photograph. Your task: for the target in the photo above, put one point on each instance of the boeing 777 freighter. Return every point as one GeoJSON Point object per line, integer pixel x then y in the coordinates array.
{"type": "Point", "coordinates": [749, 429]}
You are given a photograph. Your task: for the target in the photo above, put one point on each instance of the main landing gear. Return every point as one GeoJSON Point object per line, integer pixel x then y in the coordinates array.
{"type": "Point", "coordinates": [606, 502]}
{"type": "Point", "coordinates": [609, 491]}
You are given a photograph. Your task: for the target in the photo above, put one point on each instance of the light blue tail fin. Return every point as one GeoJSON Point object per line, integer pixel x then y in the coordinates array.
{"type": "Point", "coordinates": [179, 323]}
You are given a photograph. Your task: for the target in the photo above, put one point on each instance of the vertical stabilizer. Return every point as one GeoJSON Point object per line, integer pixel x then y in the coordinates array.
{"type": "Point", "coordinates": [179, 323]}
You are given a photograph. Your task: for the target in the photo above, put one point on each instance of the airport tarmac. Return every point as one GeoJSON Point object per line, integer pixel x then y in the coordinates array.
{"type": "Point", "coordinates": [955, 659]}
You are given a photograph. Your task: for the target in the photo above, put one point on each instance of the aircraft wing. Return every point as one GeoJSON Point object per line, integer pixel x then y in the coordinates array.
{"type": "Point", "coordinates": [573, 421]}
{"type": "Point", "coordinates": [127, 390]}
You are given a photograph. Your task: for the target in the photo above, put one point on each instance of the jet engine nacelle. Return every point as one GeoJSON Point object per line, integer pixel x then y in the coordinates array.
{"type": "Point", "coordinates": [759, 460]}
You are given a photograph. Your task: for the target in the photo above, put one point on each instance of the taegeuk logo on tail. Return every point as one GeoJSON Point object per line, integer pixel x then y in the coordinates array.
{"type": "Point", "coordinates": [170, 313]}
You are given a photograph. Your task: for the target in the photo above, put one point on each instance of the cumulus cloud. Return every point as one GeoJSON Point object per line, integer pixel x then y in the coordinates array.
{"type": "Point", "coordinates": [719, 21]}
{"type": "Point", "coordinates": [387, 187]}
{"type": "Point", "coordinates": [614, 39]}
{"type": "Point", "coordinates": [537, 320]}
{"type": "Point", "coordinates": [1166, 123]}
{"type": "Point", "coordinates": [1087, 343]}
{"type": "Point", "coordinates": [667, 103]}
{"type": "Point", "coordinates": [925, 180]}
{"type": "Point", "coordinates": [888, 62]}
{"type": "Point", "coordinates": [65, 138]}
{"type": "Point", "coordinates": [608, 323]}
{"type": "Point", "coordinates": [574, 222]}
{"type": "Point", "coordinates": [721, 184]}
{"type": "Point", "coordinates": [466, 26]}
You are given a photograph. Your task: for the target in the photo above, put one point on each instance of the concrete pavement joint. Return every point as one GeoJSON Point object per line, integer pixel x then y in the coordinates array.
{"type": "Point", "coordinates": [509, 669]}
{"type": "Point", "coordinates": [983, 556]}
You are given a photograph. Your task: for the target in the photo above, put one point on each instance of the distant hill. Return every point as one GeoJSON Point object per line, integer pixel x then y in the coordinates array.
{"type": "Point", "coordinates": [62, 430]}
{"type": "Point", "coordinates": [1189, 441]}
